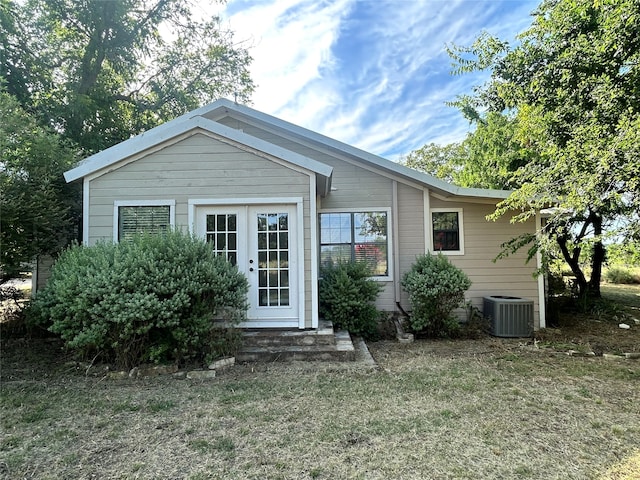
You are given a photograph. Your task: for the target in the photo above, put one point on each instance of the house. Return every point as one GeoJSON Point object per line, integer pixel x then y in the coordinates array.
{"type": "Point", "coordinates": [279, 200]}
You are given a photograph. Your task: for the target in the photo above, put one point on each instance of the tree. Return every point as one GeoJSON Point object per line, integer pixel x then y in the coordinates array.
{"type": "Point", "coordinates": [102, 71]}
{"type": "Point", "coordinates": [89, 74]}
{"type": "Point", "coordinates": [573, 85]}
{"type": "Point", "coordinates": [486, 158]}
{"type": "Point", "coordinates": [441, 161]}
{"type": "Point", "coordinates": [36, 206]}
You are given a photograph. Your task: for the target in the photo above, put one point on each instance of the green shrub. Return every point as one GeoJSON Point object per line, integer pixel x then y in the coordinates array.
{"type": "Point", "coordinates": [346, 294]}
{"type": "Point", "coordinates": [436, 288]}
{"type": "Point", "coordinates": [153, 298]}
{"type": "Point", "coordinates": [623, 275]}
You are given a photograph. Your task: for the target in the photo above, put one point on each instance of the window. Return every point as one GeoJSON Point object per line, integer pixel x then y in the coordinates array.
{"type": "Point", "coordinates": [142, 217]}
{"type": "Point", "coordinates": [355, 236]}
{"type": "Point", "coordinates": [447, 230]}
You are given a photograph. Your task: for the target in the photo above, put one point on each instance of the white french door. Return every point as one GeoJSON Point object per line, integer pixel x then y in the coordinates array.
{"type": "Point", "coordinates": [262, 241]}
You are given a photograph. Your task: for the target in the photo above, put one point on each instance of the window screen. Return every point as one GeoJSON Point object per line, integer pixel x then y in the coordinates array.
{"type": "Point", "coordinates": [142, 219]}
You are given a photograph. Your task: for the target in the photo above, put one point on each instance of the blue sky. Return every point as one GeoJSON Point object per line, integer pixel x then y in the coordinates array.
{"type": "Point", "coordinates": [371, 73]}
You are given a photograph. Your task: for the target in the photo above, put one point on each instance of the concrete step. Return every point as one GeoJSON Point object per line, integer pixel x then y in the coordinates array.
{"type": "Point", "coordinates": [323, 335]}
{"type": "Point", "coordinates": [341, 350]}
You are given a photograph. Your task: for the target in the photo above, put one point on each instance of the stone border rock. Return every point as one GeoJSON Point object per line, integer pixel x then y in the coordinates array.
{"type": "Point", "coordinates": [158, 370]}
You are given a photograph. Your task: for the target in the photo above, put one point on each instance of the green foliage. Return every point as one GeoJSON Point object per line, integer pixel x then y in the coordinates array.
{"type": "Point", "coordinates": [441, 161]}
{"type": "Point", "coordinates": [153, 298]}
{"type": "Point", "coordinates": [346, 293]}
{"type": "Point", "coordinates": [436, 288]}
{"type": "Point", "coordinates": [101, 71]}
{"type": "Point", "coordinates": [622, 275]}
{"type": "Point", "coordinates": [572, 85]}
{"type": "Point", "coordinates": [487, 158]}
{"type": "Point", "coordinates": [37, 214]}
{"type": "Point", "coordinates": [624, 254]}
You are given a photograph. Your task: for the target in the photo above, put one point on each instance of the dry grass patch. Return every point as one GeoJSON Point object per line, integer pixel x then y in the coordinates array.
{"type": "Point", "coordinates": [599, 330]}
{"type": "Point", "coordinates": [475, 409]}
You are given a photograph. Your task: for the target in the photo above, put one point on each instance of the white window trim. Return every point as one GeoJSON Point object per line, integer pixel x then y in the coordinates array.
{"type": "Point", "coordinates": [141, 203]}
{"type": "Point", "coordinates": [459, 211]}
{"type": "Point", "coordinates": [390, 220]}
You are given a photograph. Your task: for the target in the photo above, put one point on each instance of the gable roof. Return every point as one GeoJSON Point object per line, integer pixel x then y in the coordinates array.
{"type": "Point", "coordinates": [224, 107]}
{"type": "Point", "coordinates": [187, 123]}
{"type": "Point", "coordinates": [205, 117]}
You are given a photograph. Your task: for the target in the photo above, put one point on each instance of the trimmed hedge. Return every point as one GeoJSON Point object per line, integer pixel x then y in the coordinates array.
{"type": "Point", "coordinates": [151, 299]}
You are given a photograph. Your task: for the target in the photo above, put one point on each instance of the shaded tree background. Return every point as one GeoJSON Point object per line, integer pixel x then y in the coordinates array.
{"type": "Point", "coordinates": [99, 72]}
{"type": "Point", "coordinates": [37, 207]}
{"type": "Point", "coordinates": [89, 74]}
{"type": "Point", "coordinates": [559, 122]}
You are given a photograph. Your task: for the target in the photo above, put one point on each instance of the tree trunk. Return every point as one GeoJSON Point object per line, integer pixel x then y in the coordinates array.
{"type": "Point", "coordinates": [574, 262]}
{"type": "Point", "coordinates": [597, 260]}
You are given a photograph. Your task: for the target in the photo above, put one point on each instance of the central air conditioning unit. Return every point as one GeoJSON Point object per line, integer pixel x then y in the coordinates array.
{"type": "Point", "coordinates": [509, 316]}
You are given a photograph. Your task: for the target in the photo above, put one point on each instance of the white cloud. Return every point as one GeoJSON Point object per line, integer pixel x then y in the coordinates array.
{"type": "Point", "coordinates": [373, 74]}
{"type": "Point", "coordinates": [293, 40]}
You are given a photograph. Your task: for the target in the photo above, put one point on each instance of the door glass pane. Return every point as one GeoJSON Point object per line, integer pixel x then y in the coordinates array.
{"type": "Point", "coordinates": [273, 241]}
{"type": "Point", "coordinates": [221, 242]}
{"type": "Point", "coordinates": [221, 223]}
{"type": "Point", "coordinates": [273, 222]}
{"type": "Point", "coordinates": [262, 241]}
{"type": "Point", "coordinates": [284, 296]}
{"type": "Point", "coordinates": [273, 259]}
{"type": "Point", "coordinates": [284, 240]}
{"type": "Point", "coordinates": [222, 234]}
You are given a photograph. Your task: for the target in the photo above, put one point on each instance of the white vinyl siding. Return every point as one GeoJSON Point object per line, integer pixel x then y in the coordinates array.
{"type": "Point", "coordinates": [410, 234]}
{"type": "Point", "coordinates": [352, 186]}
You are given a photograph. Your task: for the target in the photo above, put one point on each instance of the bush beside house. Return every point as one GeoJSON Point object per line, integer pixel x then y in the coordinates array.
{"type": "Point", "coordinates": [347, 293]}
{"type": "Point", "coordinates": [436, 288]}
{"type": "Point", "coordinates": [151, 299]}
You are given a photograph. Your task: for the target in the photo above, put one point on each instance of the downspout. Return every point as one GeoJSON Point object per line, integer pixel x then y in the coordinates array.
{"type": "Point", "coordinates": [396, 247]}
{"type": "Point", "coordinates": [542, 297]}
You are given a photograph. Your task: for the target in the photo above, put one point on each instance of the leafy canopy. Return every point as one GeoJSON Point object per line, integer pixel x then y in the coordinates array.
{"type": "Point", "coordinates": [36, 206]}
{"type": "Point", "coordinates": [487, 158]}
{"type": "Point", "coordinates": [574, 84]}
{"type": "Point", "coordinates": [101, 71]}
{"type": "Point", "coordinates": [559, 122]}
{"type": "Point", "coordinates": [80, 76]}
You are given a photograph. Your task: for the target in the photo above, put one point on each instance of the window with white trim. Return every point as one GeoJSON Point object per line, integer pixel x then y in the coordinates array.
{"type": "Point", "coordinates": [447, 233]}
{"type": "Point", "coordinates": [355, 236]}
{"type": "Point", "coordinates": [144, 217]}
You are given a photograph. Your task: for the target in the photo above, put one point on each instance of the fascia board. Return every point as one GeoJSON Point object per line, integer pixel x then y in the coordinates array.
{"type": "Point", "coordinates": [120, 151]}
{"type": "Point", "coordinates": [254, 116]}
{"type": "Point", "coordinates": [179, 126]}
{"type": "Point", "coordinates": [263, 146]}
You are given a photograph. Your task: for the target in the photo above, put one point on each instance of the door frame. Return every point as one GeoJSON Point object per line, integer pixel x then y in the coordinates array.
{"type": "Point", "coordinates": [297, 203]}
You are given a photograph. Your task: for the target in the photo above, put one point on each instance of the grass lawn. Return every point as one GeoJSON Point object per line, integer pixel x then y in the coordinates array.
{"type": "Point", "coordinates": [471, 409]}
